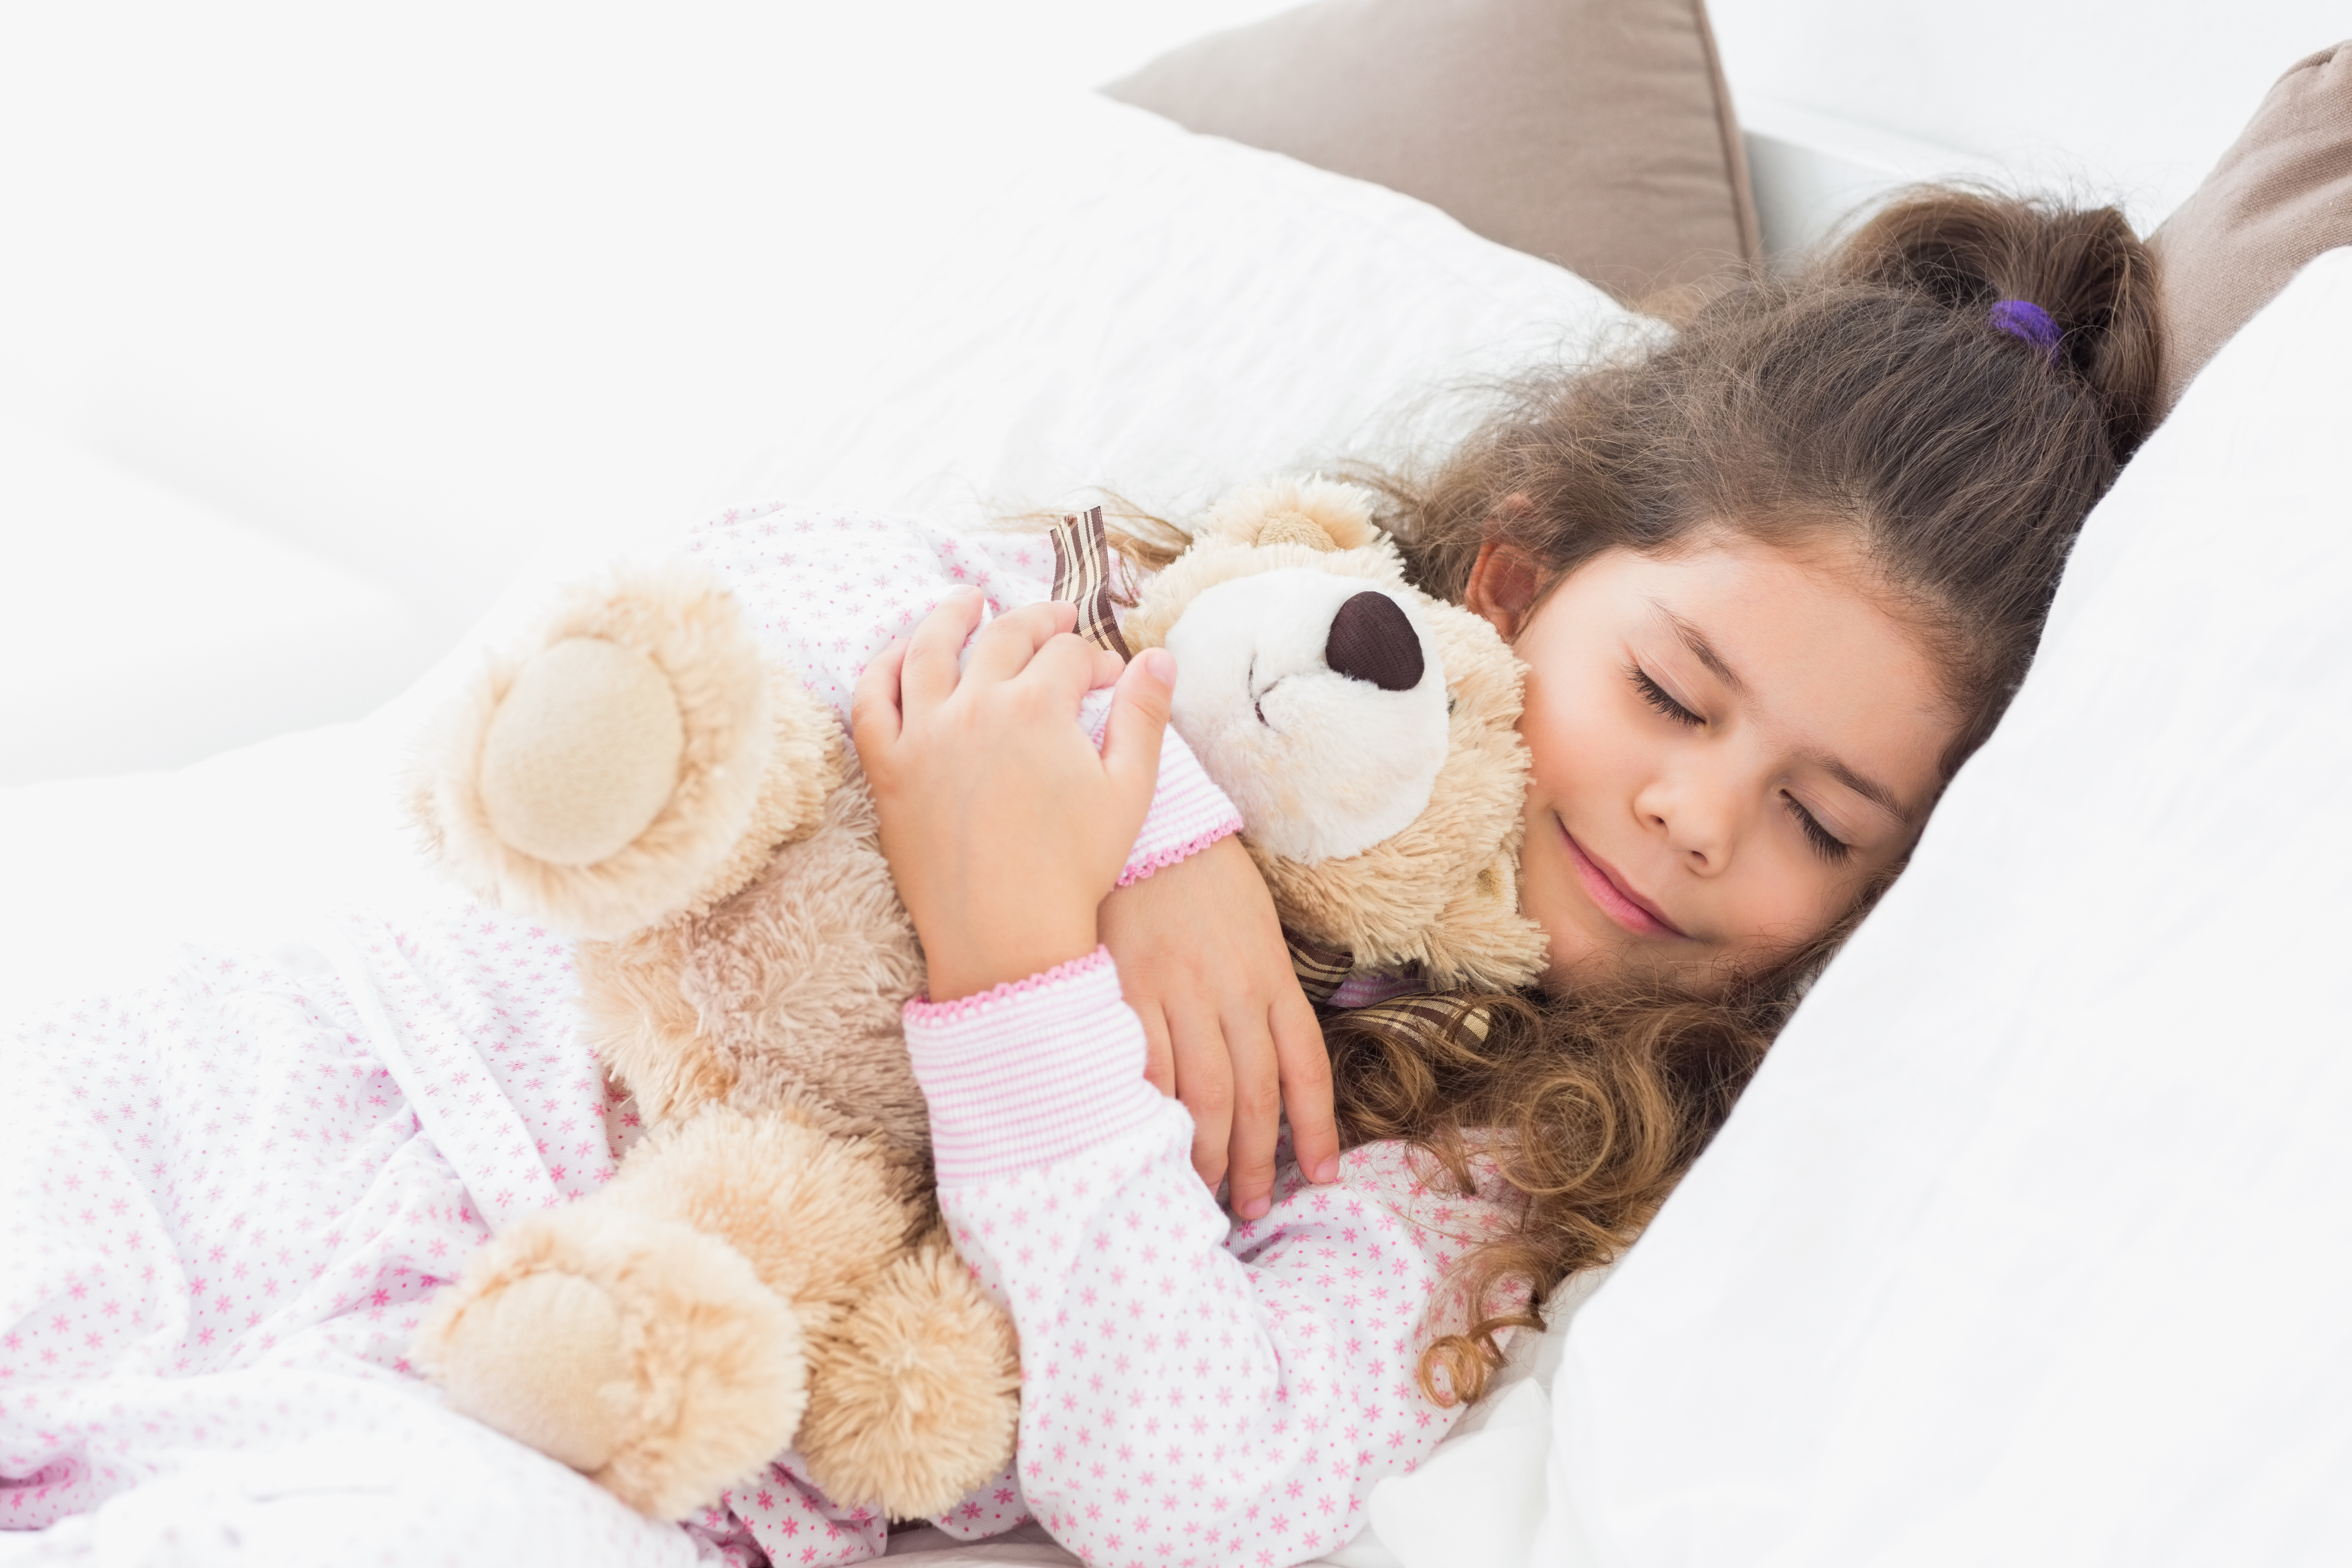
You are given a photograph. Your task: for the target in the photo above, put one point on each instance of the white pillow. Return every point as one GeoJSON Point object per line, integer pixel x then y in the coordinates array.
{"type": "Point", "coordinates": [2032, 1241]}
{"type": "Point", "coordinates": [980, 299]}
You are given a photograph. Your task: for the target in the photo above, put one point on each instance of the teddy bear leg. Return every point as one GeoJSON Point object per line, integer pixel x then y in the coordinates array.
{"type": "Point", "coordinates": [638, 756]}
{"type": "Point", "coordinates": [914, 1396]}
{"type": "Point", "coordinates": [628, 1344]}
{"type": "Point", "coordinates": [656, 1335]}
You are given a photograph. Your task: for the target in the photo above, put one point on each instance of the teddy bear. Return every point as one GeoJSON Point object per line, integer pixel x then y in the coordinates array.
{"type": "Point", "coordinates": [768, 1269]}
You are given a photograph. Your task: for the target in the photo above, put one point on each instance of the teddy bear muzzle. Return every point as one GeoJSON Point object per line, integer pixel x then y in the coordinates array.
{"type": "Point", "coordinates": [1316, 702]}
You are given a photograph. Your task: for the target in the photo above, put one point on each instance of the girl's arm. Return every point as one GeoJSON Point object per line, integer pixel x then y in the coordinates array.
{"type": "Point", "coordinates": [827, 590]}
{"type": "Point", "coordinates": [1186, 1391]}
{"type": "Point", "coordinates": [1194, 932]}
{"type": "Point", "coordinates": [1238, 1395]}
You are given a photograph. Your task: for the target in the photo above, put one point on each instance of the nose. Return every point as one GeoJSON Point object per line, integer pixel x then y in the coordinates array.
{"type": "Point", "coordinates": [1697, 818]}
{"type": "Point", "coordinates": [1371, 640]}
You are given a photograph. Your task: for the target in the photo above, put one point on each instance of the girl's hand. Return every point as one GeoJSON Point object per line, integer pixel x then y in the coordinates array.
{"type": "Point", "coordinates": [1003, 824]}
{"type": "Point", "coordinates": [1203, 962]}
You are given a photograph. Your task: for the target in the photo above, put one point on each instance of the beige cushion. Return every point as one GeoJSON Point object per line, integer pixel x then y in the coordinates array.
{"type": "Point", "coordinates": [2279, 196]}
{"type": "Point", "coordinates": [1597, 133]}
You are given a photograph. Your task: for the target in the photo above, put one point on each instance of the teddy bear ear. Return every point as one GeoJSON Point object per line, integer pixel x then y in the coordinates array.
{"type": "Point", "coordinates": [1319, 513]}
{"type": "Point", "coordinates": [1295, 528]}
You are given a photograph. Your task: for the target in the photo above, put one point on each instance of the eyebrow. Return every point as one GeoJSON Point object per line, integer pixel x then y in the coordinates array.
{"type": "Point", "coordinates": [1870, 789]}
{"type": "Point", "coordinates": [1703, 650]}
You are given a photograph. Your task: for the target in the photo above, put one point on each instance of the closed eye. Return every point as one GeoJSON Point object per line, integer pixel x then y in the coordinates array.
{"type": "Point", "coordinates": [1656, 697]}
{"type": "Point", "coordinates": [1826, 845]}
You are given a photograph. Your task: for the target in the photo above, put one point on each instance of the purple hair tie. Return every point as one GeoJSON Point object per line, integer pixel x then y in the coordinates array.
{"type": "Point", "coordinates": [2029, 322]}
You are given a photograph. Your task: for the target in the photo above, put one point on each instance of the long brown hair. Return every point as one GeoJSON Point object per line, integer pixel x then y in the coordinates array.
{"type": "Point", "coordinates": [1871, 396]}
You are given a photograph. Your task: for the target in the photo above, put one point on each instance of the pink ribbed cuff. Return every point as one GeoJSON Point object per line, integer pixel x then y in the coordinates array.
{"type": "Point", "coordinates": [1189, 812]}
{"type": "Point", "coordinates": [1140, 867]}
{"type": "Point", "coordinates": [1031, 1072]}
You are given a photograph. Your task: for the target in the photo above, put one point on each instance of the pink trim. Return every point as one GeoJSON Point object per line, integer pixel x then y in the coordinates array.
{"type": "Point", "coordinates": [1188, 812]}
{"type": "Point", "coordinates": [1161, 859]}
{"type": "Point", "coordinates": [1032, 1074]}
{"type": "Point", "coordinates": [922, 1011]}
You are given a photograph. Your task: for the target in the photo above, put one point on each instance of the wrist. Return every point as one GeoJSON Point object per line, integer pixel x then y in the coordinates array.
{"type": "Point", "coordinates": [966, 963]}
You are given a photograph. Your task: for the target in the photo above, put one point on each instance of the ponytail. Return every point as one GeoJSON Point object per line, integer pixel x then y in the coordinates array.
{"type": "Point", "coordinates": [2083, 268]}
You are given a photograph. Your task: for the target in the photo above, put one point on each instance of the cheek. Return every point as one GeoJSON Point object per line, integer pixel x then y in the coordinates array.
{"type": "Point", "coordinates": [1577, 737]}
{"type": "Point", "coordinates": [1788, 897]}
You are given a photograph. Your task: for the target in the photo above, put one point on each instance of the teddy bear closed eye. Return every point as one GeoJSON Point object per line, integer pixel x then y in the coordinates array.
{"type": "Point", "coordinates": [768, 1270]}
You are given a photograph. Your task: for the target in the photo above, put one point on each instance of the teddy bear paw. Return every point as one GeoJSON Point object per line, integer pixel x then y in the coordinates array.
{"type": "Point", "coordinates": [640, 1351]}
{"type": "Point", "coordinates": [916, 1395]}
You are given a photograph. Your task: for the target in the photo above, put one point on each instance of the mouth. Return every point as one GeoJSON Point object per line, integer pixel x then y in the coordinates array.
{"type": "Point", "coordinates": [1618, 901]}
{"type": "Point", "coordinates": [1257, 696]}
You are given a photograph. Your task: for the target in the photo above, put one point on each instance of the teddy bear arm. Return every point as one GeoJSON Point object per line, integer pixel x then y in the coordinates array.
{"type": "Point", "coordinates": [636, 757]}
{"type": "Point", "coordinates": [915, 1395]}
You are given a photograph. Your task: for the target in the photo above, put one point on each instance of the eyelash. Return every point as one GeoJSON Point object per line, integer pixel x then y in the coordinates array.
{"type": "Point", "coordinates": [1825, 844]}
{"type": "Point", "coordinates": [1656, 697]}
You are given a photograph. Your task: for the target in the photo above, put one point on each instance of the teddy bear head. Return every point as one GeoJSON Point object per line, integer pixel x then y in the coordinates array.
{"type": "Point", "coordinates": [1366, 731]}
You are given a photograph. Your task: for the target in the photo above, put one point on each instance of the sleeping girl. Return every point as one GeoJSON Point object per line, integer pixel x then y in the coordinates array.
{"type": "Point", "coordinates": [1773, 581]}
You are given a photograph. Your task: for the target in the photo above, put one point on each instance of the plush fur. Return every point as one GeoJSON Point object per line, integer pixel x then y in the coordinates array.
{"type": "Point", "coordinates": [768, 1270]}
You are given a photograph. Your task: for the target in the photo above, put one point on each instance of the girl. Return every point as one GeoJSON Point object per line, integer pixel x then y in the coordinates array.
{"type": "Point", "coordinates": [1774, 582]}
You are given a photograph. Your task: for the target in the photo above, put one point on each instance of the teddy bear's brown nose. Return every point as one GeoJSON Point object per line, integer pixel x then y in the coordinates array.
{"type": "Point", "coordinates": [1372, 640]}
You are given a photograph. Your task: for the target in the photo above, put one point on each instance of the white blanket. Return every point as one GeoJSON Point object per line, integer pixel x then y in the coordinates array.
{"type": "Point", "coordinates": [230, 1192]}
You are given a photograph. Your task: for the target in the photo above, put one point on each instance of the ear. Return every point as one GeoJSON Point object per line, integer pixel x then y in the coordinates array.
{"type": "Point", "coordinates": [1503, 586]}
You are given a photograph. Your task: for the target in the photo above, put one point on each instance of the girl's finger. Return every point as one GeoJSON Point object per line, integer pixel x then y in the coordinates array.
{"type": "Point", "coordinates": [1008, 643]}
{"type": "Point", "coordinates": [1138, 718]}
{"type": "Point", "coordinates": [1158, 1056]}
{"type": "Point", "coordinates": [874, 716]}
{"type": "Point", "coordinates": [928, 671]}
{"type": "Point", "coordinates": [1257, 1115]}
{"type": "Point", "coordinates": [1108, 668]}
{"type": "Point", "coordinates": [1065, 668]}
{"type": "Point", "coordinates": [1303, 1062]}
{"type": "Point", "coordinates": [1204, 1082]}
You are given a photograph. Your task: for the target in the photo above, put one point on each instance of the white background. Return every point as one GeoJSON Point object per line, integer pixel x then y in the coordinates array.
{"type": "Point", "coordinates": [315, 321]}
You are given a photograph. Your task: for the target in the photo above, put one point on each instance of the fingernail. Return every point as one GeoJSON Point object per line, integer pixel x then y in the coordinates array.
{"type": "Point", "coordinates": [1328, 1171]}
{"type": "Point", "coordinates": [1160, 665]}
{"type": "Point", "coordinates": [1256, 1208]}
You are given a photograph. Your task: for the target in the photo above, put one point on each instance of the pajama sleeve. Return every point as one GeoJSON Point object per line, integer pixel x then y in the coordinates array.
{"type": "Point", "coordinates": [1190, 1389]}
{"type": "Point", "coordinates": [825, 590]}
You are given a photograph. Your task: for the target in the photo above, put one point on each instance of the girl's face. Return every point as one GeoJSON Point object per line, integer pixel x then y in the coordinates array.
{"type": "Point", "coordinates": [1730, 742]}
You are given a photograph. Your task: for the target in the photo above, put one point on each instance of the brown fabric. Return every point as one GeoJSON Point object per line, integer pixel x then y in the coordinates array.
{"type": "Point", "coordinates": [1082, 577]}
{"type": "Point", "coordinates": [1320, 968]}
{"type": "Point", "coordinates": [1597, 133]}
{"type": "Point", "coordinates": [2280, 195]}
{"type": "Point", "coordinates": [1427, 1020]}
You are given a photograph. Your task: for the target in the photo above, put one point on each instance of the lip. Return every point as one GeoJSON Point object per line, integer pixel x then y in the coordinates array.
{"type": "Point", "coordinates": [1608, 890]}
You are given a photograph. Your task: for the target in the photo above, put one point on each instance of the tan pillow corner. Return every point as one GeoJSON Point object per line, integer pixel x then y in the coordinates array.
{"type": "Point", "coordinates": [2279, 196]}
{"type": "Point", "coordinates": [1596, 134]}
